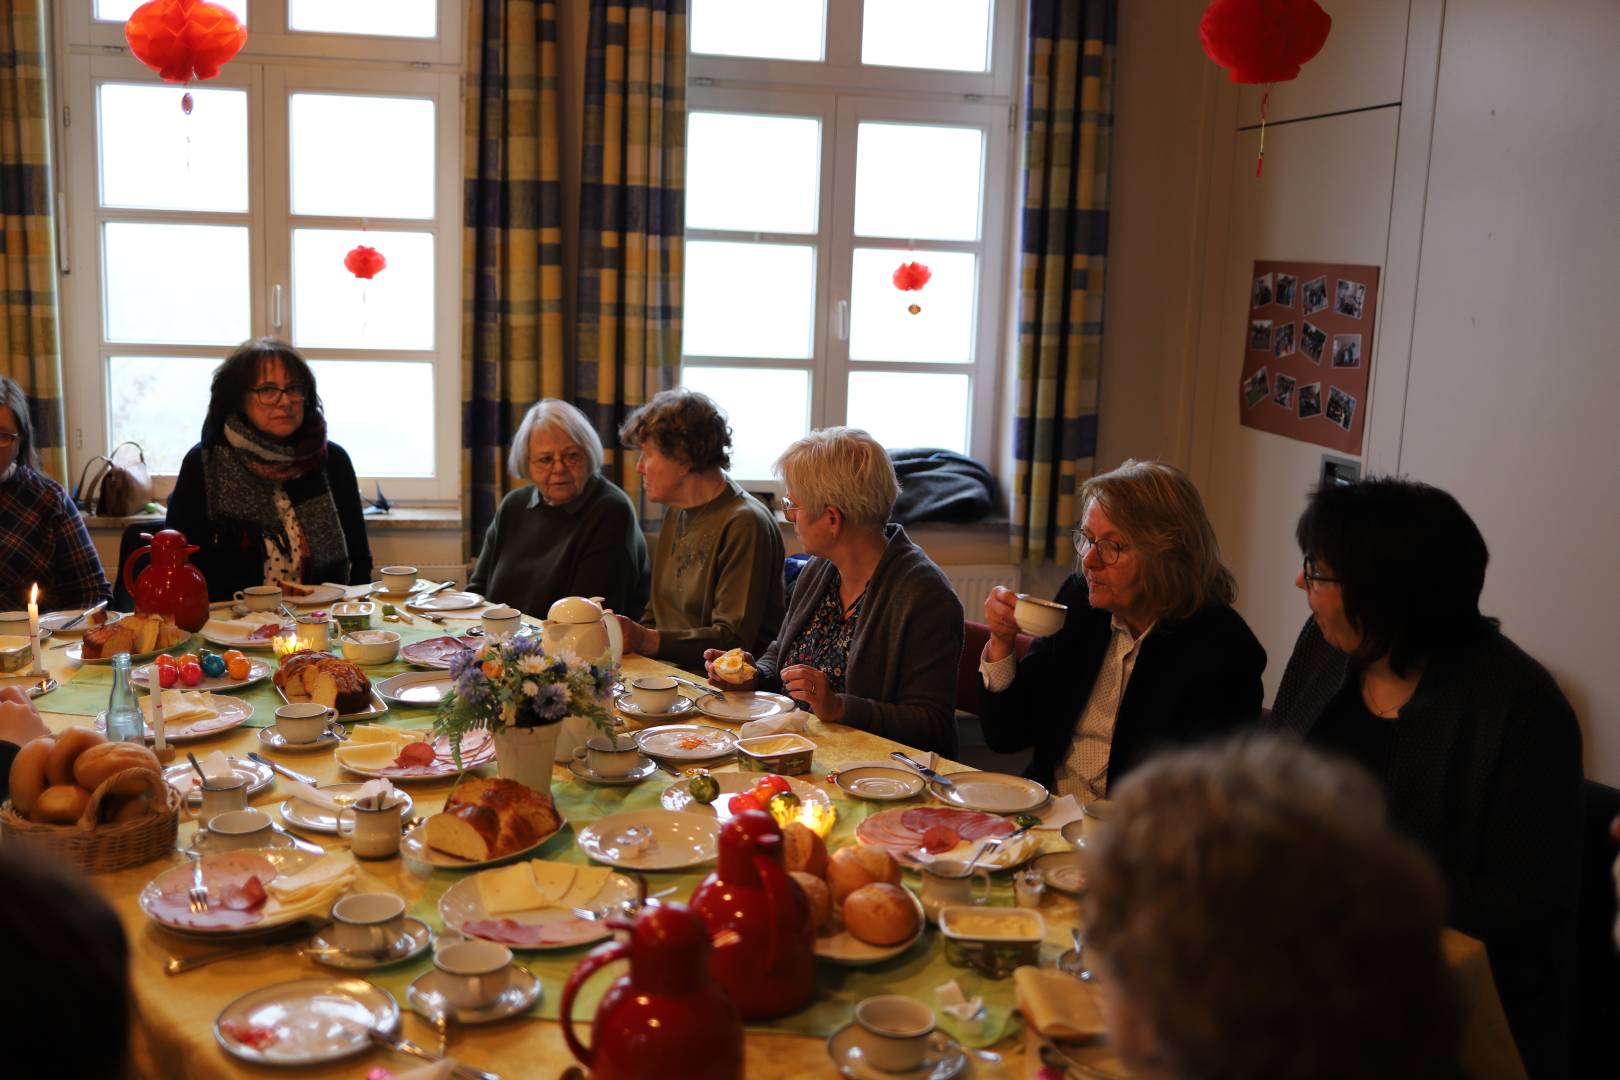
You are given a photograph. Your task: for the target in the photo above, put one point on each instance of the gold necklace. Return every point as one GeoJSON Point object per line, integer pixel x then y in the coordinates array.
{"type": "Point", "coordinates": [1368, 698]}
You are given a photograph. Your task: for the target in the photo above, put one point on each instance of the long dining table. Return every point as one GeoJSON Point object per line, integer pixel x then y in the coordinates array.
{"type": "Point", "coordinates": [173, 1032]}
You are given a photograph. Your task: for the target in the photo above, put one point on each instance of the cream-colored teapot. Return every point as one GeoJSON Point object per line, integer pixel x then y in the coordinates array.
{"type": "Point", "coordinates": [585, 628]}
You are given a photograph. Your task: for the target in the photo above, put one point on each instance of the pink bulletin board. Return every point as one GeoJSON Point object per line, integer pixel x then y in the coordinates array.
{"type": "Point", "coordinates": [1307, 351]}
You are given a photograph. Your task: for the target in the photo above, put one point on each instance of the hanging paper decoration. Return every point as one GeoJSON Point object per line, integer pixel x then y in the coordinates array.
{"type": "Point", "coordinates": [365, 262]}
{"type": "Point", "coordinates": [1263, 42]}
{"type": "Point", "coordinates": [909, 277]}
{"type": "Point", "coordinates": [183, 40]}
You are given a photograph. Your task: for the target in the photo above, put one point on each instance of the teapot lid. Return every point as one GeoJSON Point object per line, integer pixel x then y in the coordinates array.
{"type": "Point", "coordinates": [575, 609]}
{"type": "Point", "coordinates": [669, 947]}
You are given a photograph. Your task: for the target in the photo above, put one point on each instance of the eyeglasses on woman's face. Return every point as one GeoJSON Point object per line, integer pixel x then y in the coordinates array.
{"type": "Point", "coordinates": [9, 438]}
{"type": "Point", "coordinates": [568, 459]}
{"type": "Point", "coordinates": [271, 394]}
{"type": "Point", "coordinates": [1108, 551]}
{"type": "Point", "coordinates": [1313, 580]}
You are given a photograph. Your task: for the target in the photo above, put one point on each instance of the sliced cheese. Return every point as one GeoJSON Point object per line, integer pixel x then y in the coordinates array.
{"type": "Point", "coordinates": [228, 629]}
{"type": "Point", "coordinates": [554, 879]}
{"type": "Point", "coordinates": [181, 706]}
{"type": "Point", "coordinates": [587, 883]}
{"type": "Point", "coordinates": [313, 878]}
{"type": "Point", "coordinates": [377, 733]}
{"type": "Point", "coordinates": [377, 755]}
{"type": "Point", "coordinates": [508, 889]}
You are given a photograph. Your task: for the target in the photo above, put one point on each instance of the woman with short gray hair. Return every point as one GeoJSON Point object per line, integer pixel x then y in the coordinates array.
{"type": "Point", "coordinates": [569, 531]}
{"type": "Point", "coordinates": [873, 631]}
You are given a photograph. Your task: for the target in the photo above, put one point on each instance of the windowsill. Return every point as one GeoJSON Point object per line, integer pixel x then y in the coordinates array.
{"type": "Point", "coordinates": [398, 519]}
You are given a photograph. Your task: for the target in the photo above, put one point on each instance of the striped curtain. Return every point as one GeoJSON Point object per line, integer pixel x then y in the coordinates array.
{"type": "Point", "coordinates": [1067, 128]}
{"type": "Point", "coordinates": [632, 214]}
{"type": "Point", "coordinates": [512, 330]}
{"type": "Point", "coordinates": [31, 351]}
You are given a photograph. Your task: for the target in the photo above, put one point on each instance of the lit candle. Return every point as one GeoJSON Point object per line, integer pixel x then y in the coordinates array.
{"type": "Point", "coordinates": [33, 628]}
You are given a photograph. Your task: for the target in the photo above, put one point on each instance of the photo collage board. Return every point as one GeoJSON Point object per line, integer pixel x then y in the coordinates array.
{"type": "Point", "coordinates": [1307, 351]}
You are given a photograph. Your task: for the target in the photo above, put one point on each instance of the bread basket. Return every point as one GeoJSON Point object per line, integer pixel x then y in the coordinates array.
{"type": "Point", "coordinates": [94, 848]}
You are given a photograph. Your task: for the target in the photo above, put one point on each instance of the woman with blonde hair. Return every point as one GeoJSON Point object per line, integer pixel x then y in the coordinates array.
{"type": "Point", "coordinates": [873, 633]}
{"type": "Point", "coordinates": [1150, 654]}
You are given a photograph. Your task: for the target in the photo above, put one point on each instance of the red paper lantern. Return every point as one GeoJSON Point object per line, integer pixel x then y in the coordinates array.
{"type": "Point", "coordinates": [183, 40]}
{"type": "Point", "coordinates": [365, 262]}
{"type": "Point", "coordinates": [1263, 41]}
{"type": "Point", "coordinates": [911, 276]}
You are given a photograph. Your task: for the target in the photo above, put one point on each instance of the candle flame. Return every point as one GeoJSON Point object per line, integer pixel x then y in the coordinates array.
{"type": "Point", "coordinates": [818, 817]}
{"type": "Point", "coordinates": [33, 594]}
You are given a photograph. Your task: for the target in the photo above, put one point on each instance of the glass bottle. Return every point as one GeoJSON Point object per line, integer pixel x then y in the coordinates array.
{"type": "Point", "coordinates": [124, 721]}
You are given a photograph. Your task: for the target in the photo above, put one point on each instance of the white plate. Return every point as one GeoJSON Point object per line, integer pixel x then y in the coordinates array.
{"type": "Point", "coordinates": [319, 819]}
{"type": "Point", "coordinates": [233, 712]}
{"type": "Point", "coordinates": [318, 596]}
{"type": "Point", "coordinates": [414, 846]}
{"type": "Point", "coordinates": [449, 600]}
{"type": "Point", "coordinates": [414, 654]}
{"type": "Point", "coordinates": [462, 904]}
{"type": "Point", "coordinates": [945, 1058]}
{"type": "Point", "coordinates": [75, 652]}
{"type": "Point", "coordinates": [666, 741]}
{"type": "Point", "coordinates": [258, 671]}
{"type": "Point", "coordinates": [164, 898]}
{"type": "Point", "coordinates": [427, 1000]}
{"type": "Point", "coordinates": [880, 783]}
{"type": "Point", "coordinates": [183, 778]}
{"type": "Point", "coordinates": [202, 843]}
{"type": "Point", "coordinates": [416, 689]}
{"type": "Point", "coordinates": [991, 792]}
{"type": "Point", "coordinates": [1061, 871]}
{"type": "Point", "coordinates": [678, 840]}
{"type": "Point", "coordinates": [243, 644]}
{"type": "Point", "coordinates": [678, 796]}
{"type": "Point", "coordinates": [629, 708]}
{"type": "Point", "coordinates": [54, 621]}
{"type": "Point", "coordinates": [476, 750]}
{"type": "Point", "coordinates": [416, 940]}
{"type": "Point", "coordinates": [635, 776]}
{"type": "Point", "coordinates": [380, 589]}
{"type": "Point", "coordinates": [839, 946]}
{"type": "Point", "coordinates": [315, 1020]}
{"type": "Point", "coordinates": [376, 707]}
{"type": "Point", "coordinates": [271, 738]}
{"type": "Point", "coordinates": [736, 707]}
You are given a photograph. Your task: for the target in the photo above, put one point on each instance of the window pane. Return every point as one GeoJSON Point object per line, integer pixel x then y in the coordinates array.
{"type": "Point", "coordinates": [121, 10]}
{"type": "Point", "coordinates": [948, 35]}
{"type": "Point", "coordinates": [364, 401]}
{"type": "Point", "coordinates": [935, 413]}
{"type": "Point", "coordinates": [777, 30]}
{"type": "Point", "coordinates": [749, 300]}
{"type": "Point", "coordinates": [361, 156]}
{"type": "Point", "coordinates": [752, 173]}
{"type": "Point", "coordinates": [378, 18]}
{"type": "Point", "coordinates": [943, 206]}
{"type": "Point", "coordinates": [767, 409]}
{"type": "Point", "coordinates": [154, 155]}
{"type": "Point", "coordinates": [334, 309]}
{"type": "Point", "coordinates": [160, 402]}
{"type": "Point", "coordinates": [881, 325]}
{"type": "Point", "coordinates": [176, 284]}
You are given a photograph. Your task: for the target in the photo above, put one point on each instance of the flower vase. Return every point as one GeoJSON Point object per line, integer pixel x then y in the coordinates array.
{"type": "Point", "coordinates": [526, 755]}
{"type": "Point", "coordinates": [575, 730]}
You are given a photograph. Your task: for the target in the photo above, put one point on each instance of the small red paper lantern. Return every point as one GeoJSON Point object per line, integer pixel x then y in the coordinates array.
{"type": "Point", "coordinates": [183, 40]}
{"type": "Point", "coordinates": [365, 262]}
{"type": "Point", "coordinates": [911, 276]}
{"type": "Point", "coordinates": [1263, 41]}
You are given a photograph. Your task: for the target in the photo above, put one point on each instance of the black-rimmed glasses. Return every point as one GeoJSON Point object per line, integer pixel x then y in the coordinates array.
{"type": "Point", "coordinates": [9, 438]}
{"type": "Point", "coordinates": [1108, 551]}
{"type": "Point", "coordinates": [270, 394]}
{"type": "Point", "coordinates": [1312, 578]}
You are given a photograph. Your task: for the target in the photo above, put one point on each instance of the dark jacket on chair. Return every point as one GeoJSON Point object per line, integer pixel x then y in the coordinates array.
{"type": "Point", "coordinates": [1484, 771]}
{"type": "Point", "coordinates": [1194, 679]}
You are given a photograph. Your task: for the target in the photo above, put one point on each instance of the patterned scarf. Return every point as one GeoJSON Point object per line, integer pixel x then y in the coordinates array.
{"type": "Point", "coordinates": [242, 475]}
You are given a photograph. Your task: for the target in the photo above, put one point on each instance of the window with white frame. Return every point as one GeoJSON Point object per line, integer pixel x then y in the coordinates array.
{"type": "Point", "coordinates": [185, 233]}
{"type": "Point", "coordinates": [829, 142]}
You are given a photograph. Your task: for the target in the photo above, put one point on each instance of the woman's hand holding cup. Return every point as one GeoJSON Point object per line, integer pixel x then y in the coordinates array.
{"type": "Point", "coordinates": [999, 609]}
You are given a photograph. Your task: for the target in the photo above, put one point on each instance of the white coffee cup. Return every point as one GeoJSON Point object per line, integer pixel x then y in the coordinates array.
{"type": "Point", "coordinates": [653, 693]}
{"type": "Point", "coordinates": [475, 972]}
{"type": "Point", "coordinates": [895, 1031]}
{"type": "Point", "coordinates": [948, 882]}
{"type": "Point", "coordinates": [398, 579]}
{"type": "Point", "coordinates": [1093, 816]}
{"type": "Point", "coordinates": [221, 795]}
{"type": "Point", "coordinates": [303, 721]}
{"type": "Point", "coordinates": [609, 755]}
{"type": "Point", "coordinates": [374, 832]}
{"type": "Point", "coordinates": [315, 632]}
{"type": "Point", "coordinates": [1038, 617]}
{"type": "Point", "coordinates": [237, 829]}
{"type": "Point", "coordinates": [501, 623]}
{"type": "Point", "coordinates": [14, 623]}
{"type": "Point", "coordinates": [367, 923]}
{"type": "Point", "coordinates": [260, 597]}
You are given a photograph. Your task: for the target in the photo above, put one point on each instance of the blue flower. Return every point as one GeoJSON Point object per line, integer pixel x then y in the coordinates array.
{"type": "Point", "coordinates": [551, 703]}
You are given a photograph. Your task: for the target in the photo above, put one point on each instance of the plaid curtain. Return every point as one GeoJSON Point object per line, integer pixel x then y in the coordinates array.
{"type": "Point", "coordinates": [1067, 127]}
{"type": "Point", "coordinates": [632, 213]}
{"type": "Point", "coordinates": [31, 352]}
{"type": "Point", "coordinates": [512, 330]}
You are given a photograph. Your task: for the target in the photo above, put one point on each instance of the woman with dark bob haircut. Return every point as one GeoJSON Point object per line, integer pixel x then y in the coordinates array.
{"type": "Point", "coordinates": [717, 569]}
{"type": "Point", "coordinates": [264, 494]}
{"type": "Point", "coordinates": [1478, 751]}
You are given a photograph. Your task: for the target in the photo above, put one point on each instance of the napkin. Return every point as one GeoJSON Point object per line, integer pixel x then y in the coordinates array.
{"type": "Point", "coordinates": [1058, 1006]}
{"type": "Point", "coordinates": [969, 1012]}
{"type": "Point", "coordinates": [181, 706]}
{"type": "Point", "coordinates": [792, 724]}
{"type": "Point", "coordinates": [1058, 813]}
{"type": "Point", "coordinates": [312, 890]}
{"type": "Point", "coordinates": [316, 797]}
{"type": "Point", "coordinates": [215, 765]}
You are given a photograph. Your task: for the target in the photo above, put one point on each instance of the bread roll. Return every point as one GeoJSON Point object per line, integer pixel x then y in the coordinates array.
{"type": "Point", "coordinates": [803, 850]}
{"type": "Point", "coordinates": [125, 808]}
{"type": "Point", "coordinates": [69, 745]}
{"type": "Point", "coordinates": [860, 864]}
{"type": "Point", "coordinates": [815, 891]}
{"type": "Point", "coordinates": [28, 773]}
{"type": "Point", "coordinates": [101, 763]}
{"type": "Point", "coordinates": [881, 914]}
{"type": "Point", "coordinates": [61, 804]}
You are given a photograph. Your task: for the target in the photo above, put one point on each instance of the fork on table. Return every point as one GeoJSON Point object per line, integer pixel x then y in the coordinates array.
{"type": "Point", "coordinates": [197, 895]}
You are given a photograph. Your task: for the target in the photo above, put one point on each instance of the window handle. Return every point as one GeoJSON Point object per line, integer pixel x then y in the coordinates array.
{"type": "Point", "coordinates": [275, 307]}
{"type": "Point", "coordinates": [843, 320]}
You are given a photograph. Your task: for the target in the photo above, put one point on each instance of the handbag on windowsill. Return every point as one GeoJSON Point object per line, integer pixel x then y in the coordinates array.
{"type": "Point", "coordinates": [120, 489]}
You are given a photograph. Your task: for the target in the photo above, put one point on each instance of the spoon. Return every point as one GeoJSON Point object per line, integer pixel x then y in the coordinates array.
{"type": "Point", "coordinates": [196, 765]}
{"type": "Point", "coordinates": [1074, 963]}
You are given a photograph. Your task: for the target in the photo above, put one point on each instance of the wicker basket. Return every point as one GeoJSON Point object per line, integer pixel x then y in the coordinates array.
{"type": "Point", "coordinates": [93, 847]}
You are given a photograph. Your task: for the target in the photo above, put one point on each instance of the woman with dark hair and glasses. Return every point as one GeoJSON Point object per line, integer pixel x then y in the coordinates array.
{"type": "Point", "coordinates": [42, 537]}
{"type": "Point", "coordinates": [264, 494]}
{"type": "Point", "coordinates": [1151, 653]}
{"type": "Point", "coordinates": [1478, 751]}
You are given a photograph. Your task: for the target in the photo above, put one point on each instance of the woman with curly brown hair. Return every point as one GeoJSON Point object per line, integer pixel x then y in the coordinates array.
{"type": "Point", "coordinates": [717, 569]}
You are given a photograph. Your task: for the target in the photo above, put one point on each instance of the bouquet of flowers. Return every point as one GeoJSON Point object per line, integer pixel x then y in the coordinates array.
{"type": "Point", "coordinates": [514, 684]}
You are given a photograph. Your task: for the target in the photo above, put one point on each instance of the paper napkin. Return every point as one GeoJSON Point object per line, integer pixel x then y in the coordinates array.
{"type": "Point", "coordinates": [793, 724]}
{"type": "Point", "coordinates": [316, 797]}
{"type": "Point", "coordinates": [1058, 813]}
{"type": "Point", "coordinates": [1058, 1006]}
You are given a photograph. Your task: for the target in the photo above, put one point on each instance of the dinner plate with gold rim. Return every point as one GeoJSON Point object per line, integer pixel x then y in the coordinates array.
{"type": "Point", "coordinates": [738, 707]}
{"type": "Point", "coordinates": [450, 600]}
{"type": "Point", "coordinates": [990, 792]}
{"type": "Point", "coordinates": [676, 841]}
{"type": "Point", "coordinates": [229, 712]}
{"type": "Point", "coordinates": [305, 1021]}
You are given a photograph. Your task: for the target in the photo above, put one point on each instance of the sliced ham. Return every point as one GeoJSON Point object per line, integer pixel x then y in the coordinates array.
{"type": "Point", "coordinates": [511, 932]}
{"type": "Point", "coordinates": [905, 830]}
{"type": "Point", "coordinates": [232, 879]}
{"type": "Point", "coordinates": [940, 839]}
{"type": "Point", "coordinates": [416, 753]}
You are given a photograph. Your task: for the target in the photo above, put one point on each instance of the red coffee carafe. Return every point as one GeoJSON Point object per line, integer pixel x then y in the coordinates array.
{"type": "Point", "coordinates": [171, 585]}
{"type": "Point", "coordinates": [667, 1017]}
{"type": "Point", "coordinates": [764, 949]}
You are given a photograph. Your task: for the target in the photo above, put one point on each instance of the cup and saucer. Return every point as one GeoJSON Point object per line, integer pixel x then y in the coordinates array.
{"type": "Point", "coordinates": [611, 759]}
{"type": "Point", "coordinates": [894, 1037]}
{"type": "Point", "coordinates": [474, 982]}
{"type": "Point", "coordinates": [273, 738]}
{"type": "Point", "coordinates": [368, 931]}
{"type": "Point", "coordinates": [303, 726]}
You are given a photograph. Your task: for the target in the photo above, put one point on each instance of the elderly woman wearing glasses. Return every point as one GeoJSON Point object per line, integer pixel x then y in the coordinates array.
{"type": "Point", "coordinates": [568, 532]}
{"type": "Point", "coordinates": [1150, 654]}
{"type": "Point", "coordinates": [873, 635]}
{"type": "Point", "coordinates": [264, 494]}
{"type": "Point", "coordinates": [1478, 751]}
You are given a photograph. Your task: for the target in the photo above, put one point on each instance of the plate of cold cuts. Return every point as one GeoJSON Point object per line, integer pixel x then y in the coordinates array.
{"type": "Point", "coordinates": [437, 652]}
{"type": "Point", "coordinates": [918, 834]}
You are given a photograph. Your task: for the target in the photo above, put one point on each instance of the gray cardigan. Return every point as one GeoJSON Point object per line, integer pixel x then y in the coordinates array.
{"type": "Point", "coordinates": [900, 681]}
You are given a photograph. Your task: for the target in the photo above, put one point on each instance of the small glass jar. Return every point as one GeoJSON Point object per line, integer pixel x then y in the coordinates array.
{"type": "Point", "coordinates": [1028, 887]}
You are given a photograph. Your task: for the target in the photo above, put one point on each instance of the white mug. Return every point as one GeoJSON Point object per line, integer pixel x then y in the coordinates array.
{"type": "Point", "coordinates": [653, 693]}
{"type": "Point", "coordinates": [501, 623]}
{"type": "Point", "coordinates": [315, 632]}
{"type": "Point", "coordinates": [895, 1031]}
{"type": "Point", "coordinates": [1037, 617]}
{"type": "Point", "coordinates": [609, 755]}
{"type": "Point", "coordinates": [259, 597]}
{"type": "Point", "coordinates": [373, 834]}
{"type": "Point", "coordinates": [221, 795]}
{"type": "Point", "coordinates": [948, 882]}
{"type": "Point", "coordinates": [398, 579]}
{"type": "Point", "coordinates": [239, 829]}
{"type": "Point", "coordinates": [303, 721]}
{"type": "Point", "coordinates": [475, 972]}
{"type": "Point", "coordinates": [367, 922]}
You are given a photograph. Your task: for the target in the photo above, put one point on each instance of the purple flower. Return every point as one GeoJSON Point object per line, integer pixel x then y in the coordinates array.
{"type": "Point", "coordinates": [551, 703]}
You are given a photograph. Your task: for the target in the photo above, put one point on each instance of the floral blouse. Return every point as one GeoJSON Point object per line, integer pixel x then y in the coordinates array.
{"type": "Point", "coordinates": [824, 642]}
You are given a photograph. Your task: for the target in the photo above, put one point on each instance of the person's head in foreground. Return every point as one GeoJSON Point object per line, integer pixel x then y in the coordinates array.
{"type": "Point", "coordinates": [1252, 916]}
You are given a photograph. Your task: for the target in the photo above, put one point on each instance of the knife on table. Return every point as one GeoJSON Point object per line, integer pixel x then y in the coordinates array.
{"type": "Point", "coordinates": [83, 615]}
{"type": "Point", "coordinates": [922, 770]}
{"type": "Point", "coordinates": [405, 1046]}
{"type": "Point", "coordinates": [283, 770]}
